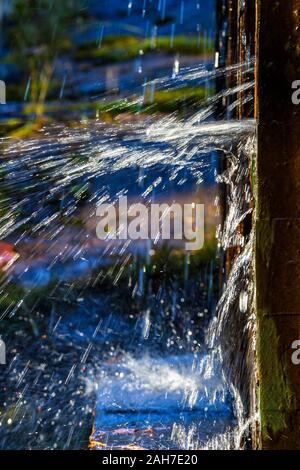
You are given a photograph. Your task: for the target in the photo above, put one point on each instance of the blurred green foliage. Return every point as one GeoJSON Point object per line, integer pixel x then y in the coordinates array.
{"type": "Point", "coordinates": [119, 48]}
{"type": "Point", "coordinates": [39, 32]}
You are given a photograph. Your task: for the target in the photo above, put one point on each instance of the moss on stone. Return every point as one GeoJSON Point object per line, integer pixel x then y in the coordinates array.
{"type": "Point", "coordinates": [276, 396]}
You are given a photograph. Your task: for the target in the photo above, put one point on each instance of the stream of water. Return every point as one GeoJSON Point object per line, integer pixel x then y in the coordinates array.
{"type": "Point", "coordinates": [134, 330]}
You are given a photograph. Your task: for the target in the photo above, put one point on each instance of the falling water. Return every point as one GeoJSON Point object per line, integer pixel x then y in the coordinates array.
{"type": "Point", "coordinates": [120, 328]}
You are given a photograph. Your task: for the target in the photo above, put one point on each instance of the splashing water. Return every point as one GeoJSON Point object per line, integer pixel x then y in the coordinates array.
{"type": "Point", "coordinates": [123, 322]}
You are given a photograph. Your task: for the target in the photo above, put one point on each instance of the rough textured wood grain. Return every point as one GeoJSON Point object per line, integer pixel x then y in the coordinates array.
{"type": "Point", "coordinates": [278, 221]}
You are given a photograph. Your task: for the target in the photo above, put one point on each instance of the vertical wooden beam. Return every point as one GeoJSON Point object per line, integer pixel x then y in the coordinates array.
{"type": "Point", "coordinates": [246, 52]}
{"type": "Point", "coordinates": [221, 52]}
{"type": "Point", "coordinates": [277, 260]}
{"type": "Point", "coordinates": [236, 39]}
{"type": "Point", "coordinates": [232, 52]}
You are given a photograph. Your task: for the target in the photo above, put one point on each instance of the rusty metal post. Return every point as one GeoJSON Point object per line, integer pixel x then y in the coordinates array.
{"type": "Point", "coordinates": [277, 260]}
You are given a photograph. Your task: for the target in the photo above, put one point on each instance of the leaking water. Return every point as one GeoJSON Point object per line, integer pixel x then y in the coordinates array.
{"type": "Point", "coordinates": [135, 327]}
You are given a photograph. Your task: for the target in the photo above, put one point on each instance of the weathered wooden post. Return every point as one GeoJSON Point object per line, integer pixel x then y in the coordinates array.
{"type": "Point", "coordinates": [246, 52]}
{"type": "Point", "coordinates": [235, 43]}
{"type": "Point", "coordinates": [277, 260]}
